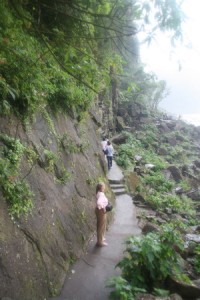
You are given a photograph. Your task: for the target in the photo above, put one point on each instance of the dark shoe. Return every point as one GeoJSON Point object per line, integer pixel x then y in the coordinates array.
{"type": "Point", "coordinates": [102, 244]}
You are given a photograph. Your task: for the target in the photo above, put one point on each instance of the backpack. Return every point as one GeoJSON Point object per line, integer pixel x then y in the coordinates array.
{"type": "Point", "coordinates": [106, 151]}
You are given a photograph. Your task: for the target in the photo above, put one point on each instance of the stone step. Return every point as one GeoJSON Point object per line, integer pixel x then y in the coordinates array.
{"type": "Point", "coordinates": [116, 186]}
{"type": "Point", "coordinates": [114, 181]}
{"type": "Point", "coordinates": [120, 192]}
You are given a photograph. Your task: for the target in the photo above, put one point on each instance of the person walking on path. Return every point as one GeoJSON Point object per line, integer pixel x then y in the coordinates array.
{"type": "Point", "coordinates": [104, 145]}
{"type": "Point", "coordinates": [100, 211]}
{"type": "Point", "coordinates": [109, 154]}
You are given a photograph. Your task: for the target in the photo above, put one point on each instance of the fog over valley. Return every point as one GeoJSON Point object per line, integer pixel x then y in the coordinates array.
{"type": "Point", "coordinates": [179, 66]}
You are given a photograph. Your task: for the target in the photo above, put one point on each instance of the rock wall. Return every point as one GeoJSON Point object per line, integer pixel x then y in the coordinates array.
{"type": "Point", "coordinates": [36, 251]}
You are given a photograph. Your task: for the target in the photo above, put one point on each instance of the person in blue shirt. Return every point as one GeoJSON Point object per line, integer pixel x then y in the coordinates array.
{"type": "Point", "coordinates": [109, 154]}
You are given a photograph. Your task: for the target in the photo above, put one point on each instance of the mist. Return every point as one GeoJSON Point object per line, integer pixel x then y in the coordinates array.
{"type": "Point", "coordinates": [179, 66]}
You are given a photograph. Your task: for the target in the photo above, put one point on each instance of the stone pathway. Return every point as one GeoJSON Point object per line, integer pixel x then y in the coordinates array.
{"type": "Point", "coordinates": [88, 277]}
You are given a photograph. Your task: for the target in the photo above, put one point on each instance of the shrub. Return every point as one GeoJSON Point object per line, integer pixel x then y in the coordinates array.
{"type": "Point", "coordinates": [18, 196]}
{"type": "Point", "coordinates": [149, 260]}
{"type": "Point", "coordinates": [68, 144]}
{"type": "Point", "coordinates": [50, 158]}
{"type": "Point", "coordinates": [158, 182]}
{"type": "Point", "coordinates": [149, 156]}
{"type": "Point", "coordinates": [126, 153]}
{"type": "Point", "coordinates": [122, 289]}
{"type": "Point", "coordinates": [16, 192]}
{"type": "Point", "coordinates": [168, 201]}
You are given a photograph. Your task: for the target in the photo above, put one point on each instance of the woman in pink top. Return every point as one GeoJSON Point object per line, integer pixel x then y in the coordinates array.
{"type": "Point", "coordinates": [100, 211]}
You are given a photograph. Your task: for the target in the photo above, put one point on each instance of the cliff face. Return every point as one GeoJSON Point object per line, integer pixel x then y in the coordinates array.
{"type": "Point", "coordinates": [36, 250]}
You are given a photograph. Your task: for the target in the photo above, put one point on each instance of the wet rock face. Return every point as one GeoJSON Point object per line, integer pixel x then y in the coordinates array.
{"type": "Point", "coordinates": [35, 252]}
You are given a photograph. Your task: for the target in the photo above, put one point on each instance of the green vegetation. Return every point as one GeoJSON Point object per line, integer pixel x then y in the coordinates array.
{"type": "Point", "coordinates": [61, 54]}
{"type": "Point", "coordinates": [173, 202]}
{"type": "Point", "coordinates": [158, 158]}
{"type": "Point", "coordinates": [50, 159]}
{"type": "Point", "coordinates": [68, 144]}
{"type": "Point", "coordinates": [196, 259]}
{"type": "Point", "coordinates": [149, 260]}
{"type": "Point", "coordinates": [16, 191]}
{"type": "Point", "coordinates": [49, 122]}
{"type": "Point", "coordinates": [18, 196]}
{"type": "Point", "coordinates": [158, 182]}
{"type": "Point", "coordinates": [126, 153]}
{"type": "Point", "coordinates": [63, 176]}
{"type": "Point", "coordinates": [53, 164]}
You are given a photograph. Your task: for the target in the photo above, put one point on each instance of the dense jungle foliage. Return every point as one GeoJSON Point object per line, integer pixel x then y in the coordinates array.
{"type": "Point", "coordinates": [63, 53]}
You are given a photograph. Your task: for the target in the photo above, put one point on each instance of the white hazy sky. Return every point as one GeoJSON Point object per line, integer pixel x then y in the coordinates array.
{"type": "Point", "coordinates": [162, 59]}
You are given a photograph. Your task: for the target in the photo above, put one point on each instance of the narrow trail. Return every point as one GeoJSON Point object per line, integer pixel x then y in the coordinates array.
{"type": "Point", "coordinates": [88, 278]}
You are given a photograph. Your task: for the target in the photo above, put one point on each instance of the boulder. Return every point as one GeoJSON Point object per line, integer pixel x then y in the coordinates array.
{"type": "Point", "coordinates": [197, 282]}
{"type": "Point", "coordinates": [135, 109]}
{"type": "Point", "coordinates": [175, 297]}
{"type": "Point", "coordinates": [132, 181]}
{"type": "Point", "coordinates": [178, 190]}
{"type": "Point", "coordinates": [175, 172]}
{"type": "Point", "coordinates": [120, 126]}
{"type": "Point", "coordinates": [187, 291]}
{"type": "Point", "coordinates": [162, 151]}
{"type": "Point", "coordinates": [194, 194]}
{"type": "Point", "coordinates": [150, 166]}
{"type": "Point", "coordinates": [185, 169]}
{"type": "Point", "coordinates": [178, 217]}
{"type": "Point", "coordinates": [189, 249]}
{"type": "Point", "coordinates": [193, 237]}
{"type": "Point", "coordinates": [172, 141]}
{"type": "Point", "coordinates": [168, 210]}
{"type": "Point", "coordinates": [197, 229]}
{"type": "Point", "coordinates": [163, 128]}
{"type": "Point", "coordinates": [138, 198]}
{"type": "Point", "coordinates": [137, 158]}
{"type": "Point", "coordinates": [189, 171]}
{"type": "Point", "coordinates": [162, 216]}
{"type": "Point", "coordinates": [144, 119]}
{"type": "Point", "coordinates": [171, 124]}
{"type": "Point", "coordinates": [138, 170]}
{"type": "Point", "coordinates": [197, 163]}
{"type": "Point", "coordinates": [119, 139]}
{"type": "Point", "coordinates": [195, 169]}
{"type": "Point", "coordinates": [167, 174]}
{"type": "Point", "coordinates": [150, 227]}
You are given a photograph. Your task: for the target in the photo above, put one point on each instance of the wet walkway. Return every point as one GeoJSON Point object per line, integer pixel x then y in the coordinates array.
{"type": "Point", "coordinates": [89, 275]}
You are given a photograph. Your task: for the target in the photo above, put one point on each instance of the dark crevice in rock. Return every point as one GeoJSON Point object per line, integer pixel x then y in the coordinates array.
{"type": "Point", "coordinates": [33, 241]}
